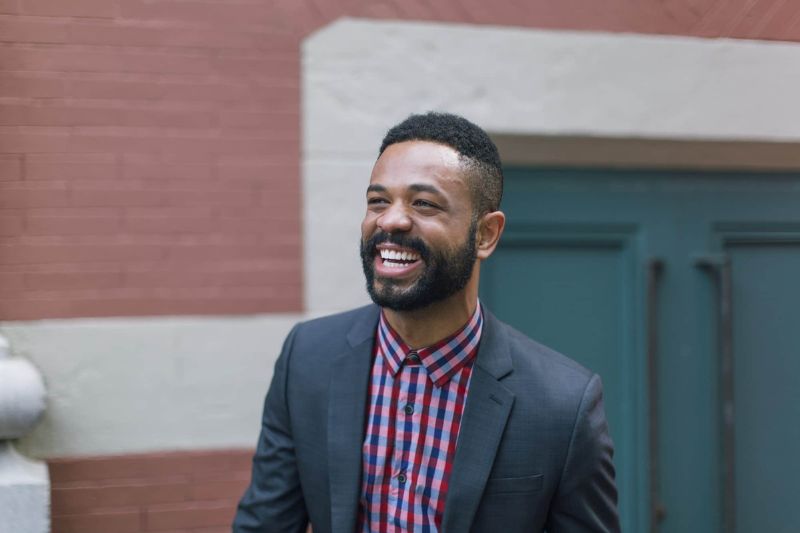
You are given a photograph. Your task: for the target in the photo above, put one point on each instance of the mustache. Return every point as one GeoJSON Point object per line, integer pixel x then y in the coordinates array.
{"type": "Point", "coordinates": [406, 241]}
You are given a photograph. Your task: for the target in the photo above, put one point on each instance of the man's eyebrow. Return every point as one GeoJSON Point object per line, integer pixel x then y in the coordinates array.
{"type": "Point", "coordinates": [424, 187]}
{"type": "Point", "coordinates": [416, 187]}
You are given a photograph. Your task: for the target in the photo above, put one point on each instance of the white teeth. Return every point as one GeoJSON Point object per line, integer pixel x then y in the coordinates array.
{"type": "Point", "coordinates": [398, 256]}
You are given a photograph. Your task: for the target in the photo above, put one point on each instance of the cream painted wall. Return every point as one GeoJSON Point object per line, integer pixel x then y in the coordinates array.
{"type": "Point", "coordinates": [362, 76]}
{"type": "Point", "coordinates": [145, 384]}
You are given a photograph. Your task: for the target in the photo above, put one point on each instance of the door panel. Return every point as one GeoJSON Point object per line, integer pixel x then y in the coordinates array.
{"type": "Point", "coordinates": [570, 272]}
{"type": "Point", "coordinates": [766, 294]}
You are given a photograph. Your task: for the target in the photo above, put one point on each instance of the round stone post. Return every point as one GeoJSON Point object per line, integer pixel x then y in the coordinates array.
{"type": "Point", "coordinates": [24, 483]}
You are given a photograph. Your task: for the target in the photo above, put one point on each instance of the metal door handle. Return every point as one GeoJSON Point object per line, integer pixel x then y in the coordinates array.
{"type": "Point", "coordinates": [720, 266]}
{"type": "Point", "coordinates": [655, 267]}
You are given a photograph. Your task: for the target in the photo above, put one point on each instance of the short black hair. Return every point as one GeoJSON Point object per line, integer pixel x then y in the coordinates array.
{"type": "Point", "coordinates": [476, 150]}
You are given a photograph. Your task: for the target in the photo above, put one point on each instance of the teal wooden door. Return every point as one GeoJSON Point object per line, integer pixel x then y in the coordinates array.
{"type": "Point", "coordinates": [572, 271]}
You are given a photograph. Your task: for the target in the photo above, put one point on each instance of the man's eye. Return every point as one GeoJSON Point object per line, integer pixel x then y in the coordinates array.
{"type": "Point", "coordinates": [376, 201]}
{"type": "Point", "coordinates": [424, 203]}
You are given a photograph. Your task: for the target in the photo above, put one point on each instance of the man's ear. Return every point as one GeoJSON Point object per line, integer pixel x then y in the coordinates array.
{"type": "Point", "coordinates": [490, 227]}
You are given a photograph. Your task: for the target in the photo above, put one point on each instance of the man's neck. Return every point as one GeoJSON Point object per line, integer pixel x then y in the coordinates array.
{"type": "Point", "coordinates": [423, 327]}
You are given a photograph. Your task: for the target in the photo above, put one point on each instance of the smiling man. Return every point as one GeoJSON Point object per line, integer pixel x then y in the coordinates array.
{"type": "Point", "coordinates": [423, 412]}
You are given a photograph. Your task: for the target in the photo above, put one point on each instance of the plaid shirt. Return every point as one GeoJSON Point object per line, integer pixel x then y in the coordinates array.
{"type": "Point", "coordinates": [416, 399]}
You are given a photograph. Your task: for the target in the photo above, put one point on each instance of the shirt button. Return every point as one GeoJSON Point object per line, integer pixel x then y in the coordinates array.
{"type": "Point", "coordinates": [413, 357]}
{"type": "Point", "coordinates": [409, 409]}
{"type": "Point", "coordinates": [401, 478]}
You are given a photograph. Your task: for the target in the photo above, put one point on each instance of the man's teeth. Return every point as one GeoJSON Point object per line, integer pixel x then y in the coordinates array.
{"type": "Point", "coordinates": [391, 257]}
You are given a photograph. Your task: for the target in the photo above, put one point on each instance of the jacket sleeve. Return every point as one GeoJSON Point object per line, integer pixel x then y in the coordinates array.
{"type": "Point", "coordinates": [586, 498]}
{"type": "Point", "coordinates": [273, 503]}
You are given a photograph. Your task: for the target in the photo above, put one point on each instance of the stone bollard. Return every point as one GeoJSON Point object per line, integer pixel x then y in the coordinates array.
{"type": "Point", "coordinates": [24, 483]}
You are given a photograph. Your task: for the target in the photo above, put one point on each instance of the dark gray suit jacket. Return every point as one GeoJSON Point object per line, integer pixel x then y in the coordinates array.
{"type": "Point", "coordinates": [533, 450]}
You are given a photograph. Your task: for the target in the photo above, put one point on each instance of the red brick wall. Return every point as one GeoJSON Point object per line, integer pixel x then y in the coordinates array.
{"type": "Point", "coordinates": [179, 492]}
{"type": "Point", "coordinates": [149, 149]}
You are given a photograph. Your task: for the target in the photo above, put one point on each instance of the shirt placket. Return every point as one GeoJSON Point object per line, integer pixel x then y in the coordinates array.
{"type": "Point", "coordinates": [407, 435]}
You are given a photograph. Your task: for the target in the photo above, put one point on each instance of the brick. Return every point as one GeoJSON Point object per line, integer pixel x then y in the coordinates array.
{"type": "Point", "coordinates": [67, 211]}
{"type": "Point", "coordinates": [64, 253]}
{"type": "Point", "coordinates": [160, 171]}
{"type": "Point", "coordinates": [25, 197]}
{"type": "Point", "coordinates": [72, 500]}
{"type": "Point", "coordinates": [186, 142]}
{"type": "Point", "coordinates": [168, 211]}
{"type": "Point", "coordinates": [99, 166]}
{"type": "Point", "coordinates": [117, 521]}
{"type": "Point", "coordinates": [232, 12]}
{"type": "Point", "coordinates": [782, 23]}
{"type": "Point", "coordinates": [9, 6]}
{"type": "Point", "coordinates": [184, 198]}
{"type": "Point", "coordinates": [185, 278]}
{"type": "Point", "coordinates": [23, 29]}
{"type": "Point", "coordinates": [189, 515]}
{"type": "Point", "coordinates": [286, 123]}
{"type": "Point", "coordinates": [280, 67]}
{"type": "Point", "coordinates": [73, 225]}
{"type": "Point", "coordinates": [72, 280]}
{"type": "Point", "coordinates": [125, 89]}
{"type": "Point", "coordinates": [31, 85]}
{"type": "Point", "coordinates": [204, 91]}
{"type": "Point", "coordinates": [190, 253]}
{"type": "Point", "coordinates": [169, 224]}
{"type": "Point", "coordinates": [10, 167]}
{"type": "Point", "coordinates": [752, 19]}
{"type": "Point", "coordinates": [144, 466]}
{"type": "Point", "coordinates": [114, 197]}
{"type": "Point", "coordinates": [11, 224]}
{"type": "Point", "coordinates": [379, 10]}
{"type": "Point", "coordinates": [56, 114]}
{"type": "Point", "coordinates": [73, 8]}
{"type": "Point", "coordinates": [421, 10]}
{"type": "Point", "coordinates": [267, 225]}
{"type": "Point", "coordinates": [79, 58]}
{"type": "Point", "coordinates": [143, 34]}
{"type": "Point", "coordinates": [229, 489]}
{"type": "Point", "coordinates": [12, 280]}
{"type": "Point", "coordinates": [165, 158]}
{"type": "Point", "coordinates": [282, 173]}
{"type": "Point", "coordinates": [301, 17]}
{"type": "Point", "coordinates": [25, 139]}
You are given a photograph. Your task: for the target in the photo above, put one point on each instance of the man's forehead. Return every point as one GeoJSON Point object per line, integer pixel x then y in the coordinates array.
{"type": "Point", "coordinates": [422, 152]}
{"type": "Point", "coordinates": [421, 159]}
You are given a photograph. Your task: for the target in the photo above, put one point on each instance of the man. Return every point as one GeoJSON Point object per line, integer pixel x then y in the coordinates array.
{"type": "Point", "coordinates": [424, 412]}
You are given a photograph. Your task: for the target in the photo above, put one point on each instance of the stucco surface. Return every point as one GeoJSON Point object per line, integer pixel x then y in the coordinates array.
{"type": "Point", "coordinates": [137, 385]}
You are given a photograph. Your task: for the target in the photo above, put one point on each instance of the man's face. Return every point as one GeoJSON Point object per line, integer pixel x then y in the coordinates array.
{"type": "Point", "coordinates": [418, 237]}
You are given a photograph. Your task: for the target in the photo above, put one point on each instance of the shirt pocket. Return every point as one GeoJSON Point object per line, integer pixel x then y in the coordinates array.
{"type": "Point", "coordinates": [519, 485]}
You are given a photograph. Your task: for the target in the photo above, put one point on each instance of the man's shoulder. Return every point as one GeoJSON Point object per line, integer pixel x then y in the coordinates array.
{"type": "Point", "coordinates": [360, 321]}
{"type": "Point", "coordinates": [342, 318]}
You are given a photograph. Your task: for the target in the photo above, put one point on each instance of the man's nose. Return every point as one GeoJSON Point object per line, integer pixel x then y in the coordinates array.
{"type": "Point", "coordinates": [394, 219]}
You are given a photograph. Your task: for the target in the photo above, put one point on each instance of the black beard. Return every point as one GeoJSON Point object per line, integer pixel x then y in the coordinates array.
{"type": "Point", "coordinates": [446, 271]}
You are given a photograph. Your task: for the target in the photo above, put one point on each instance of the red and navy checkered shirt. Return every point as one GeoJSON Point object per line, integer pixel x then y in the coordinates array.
{"type": "Point", "coordinates": [416, 399]}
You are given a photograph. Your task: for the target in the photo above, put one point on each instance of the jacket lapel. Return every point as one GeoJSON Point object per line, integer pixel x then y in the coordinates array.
{"type": "Point", "coordinates": [485, 415]}
{"type": "Point", "coordinates": [346, 416]}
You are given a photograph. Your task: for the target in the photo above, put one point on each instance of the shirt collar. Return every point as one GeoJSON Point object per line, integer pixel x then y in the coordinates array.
{"type": "Point", "coordinates": [442, 359]}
